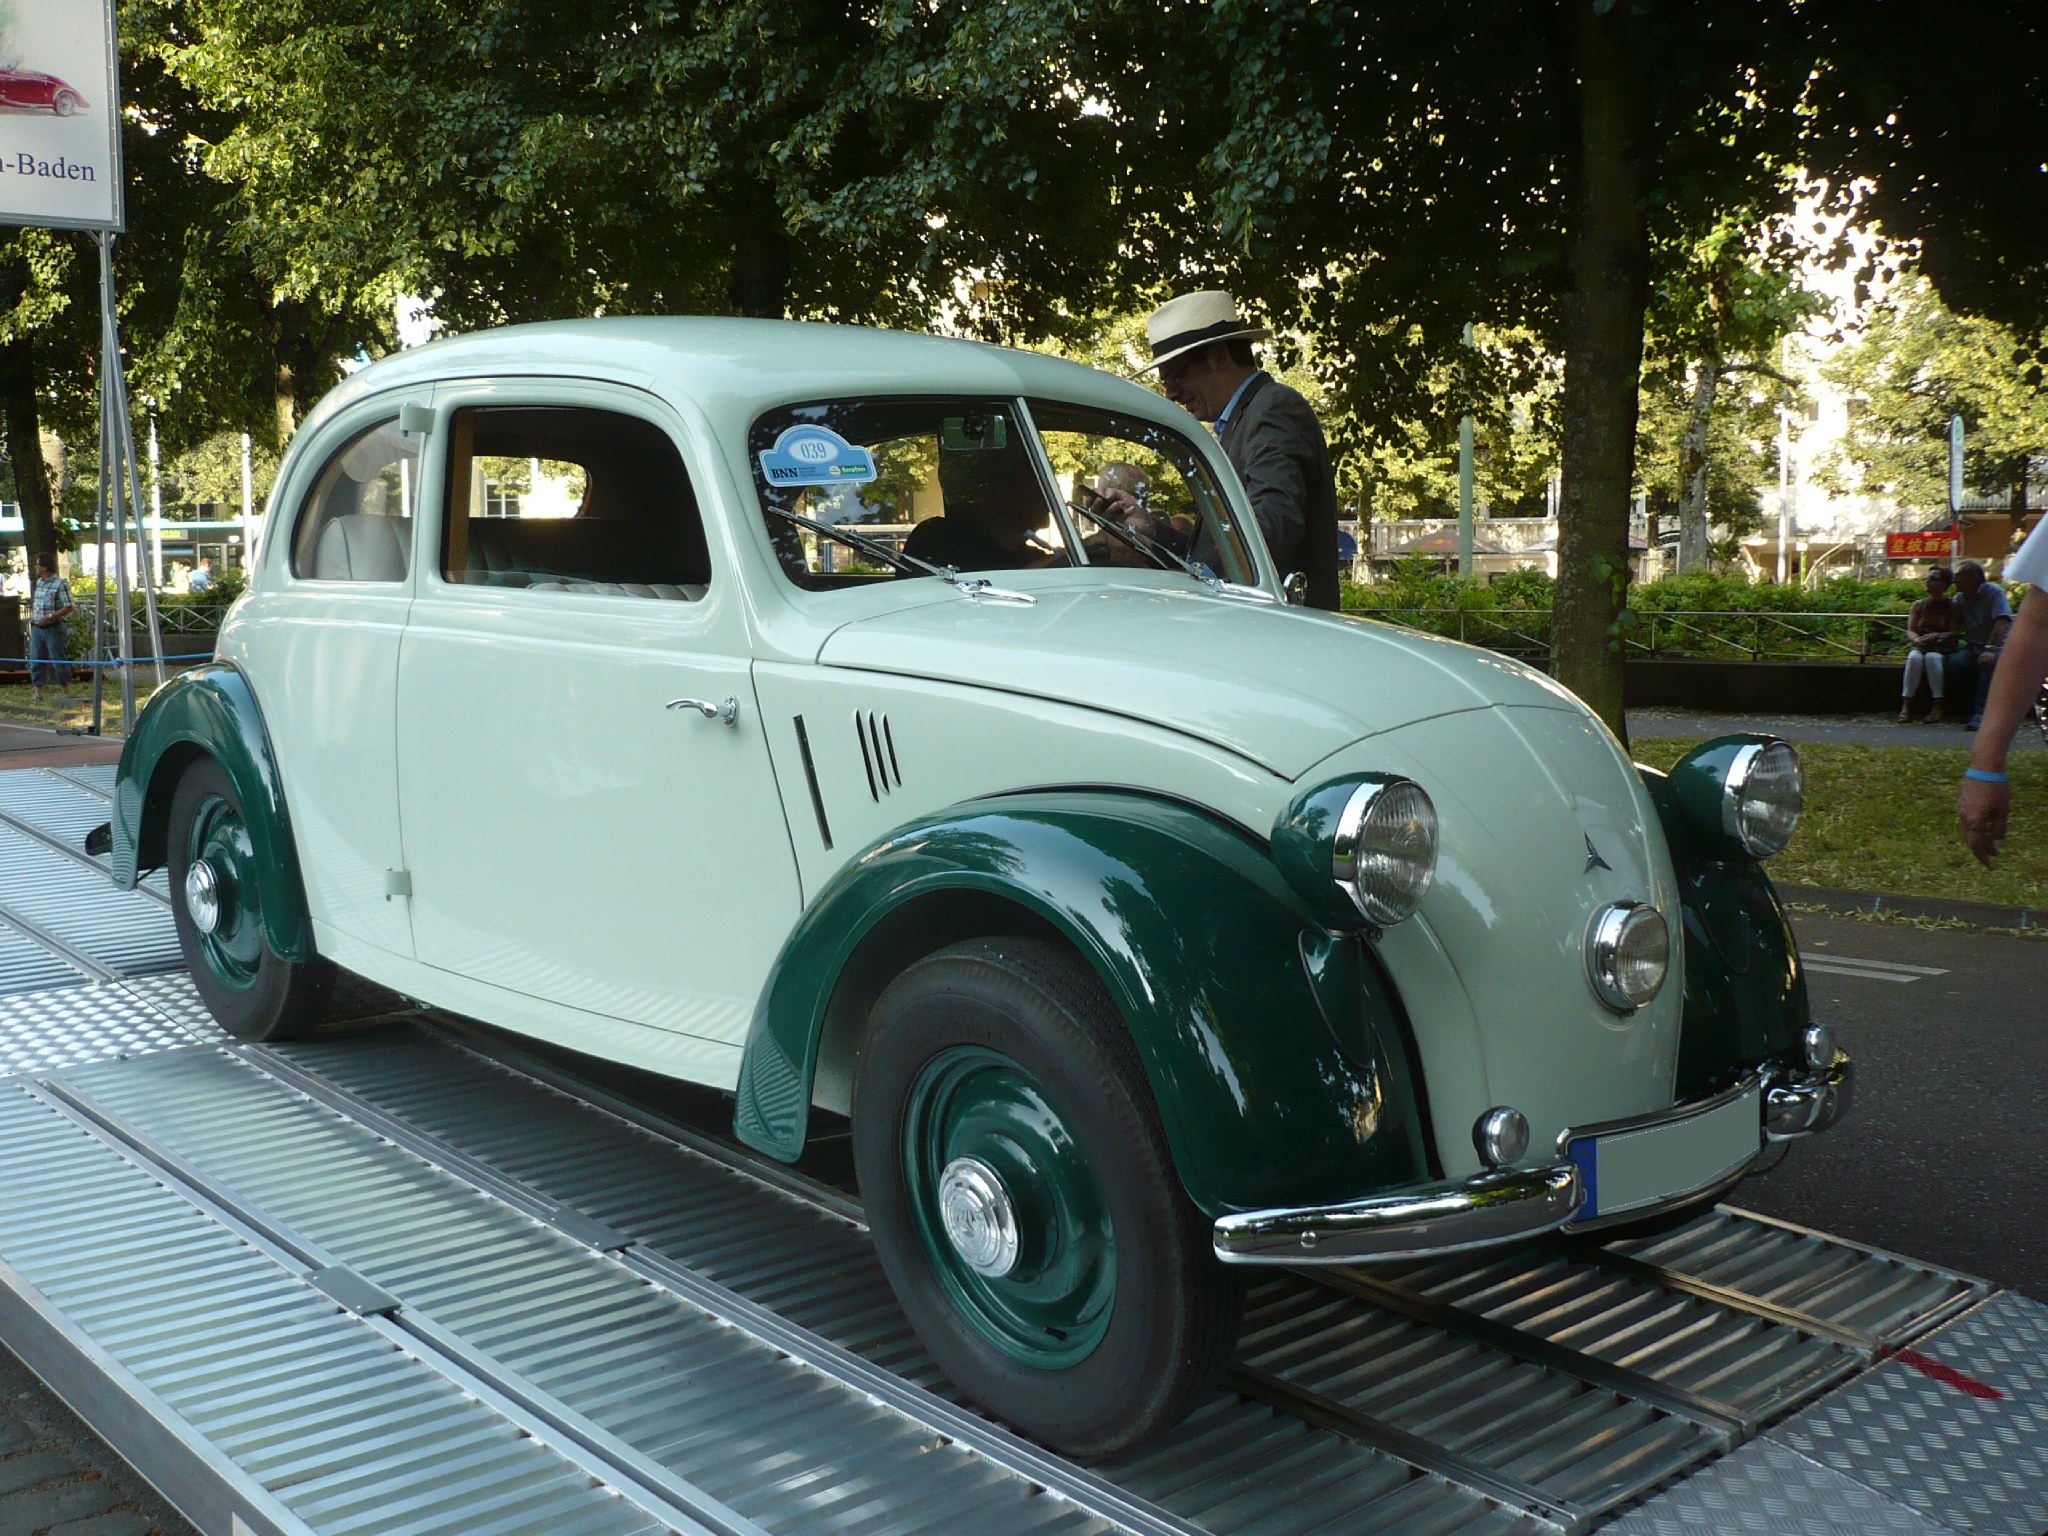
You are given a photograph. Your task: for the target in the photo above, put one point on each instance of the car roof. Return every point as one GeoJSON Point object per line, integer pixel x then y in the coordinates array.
{"type": "Point", "coordinates": [737, 368]}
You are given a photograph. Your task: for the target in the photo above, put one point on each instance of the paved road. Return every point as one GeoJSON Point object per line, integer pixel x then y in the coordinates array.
{"type": "Point", "coordinates": [1860, 730]}
{"type": "Point", "coordinates": [31, 746]}
{"type": "Point", "coordinates": [58, 1477]}
{"type": "Point", "coordinates": [1945, 1156]}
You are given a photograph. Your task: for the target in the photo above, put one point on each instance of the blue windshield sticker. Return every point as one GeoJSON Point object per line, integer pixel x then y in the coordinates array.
{"type": "Point", "coordinates": [808, 454]}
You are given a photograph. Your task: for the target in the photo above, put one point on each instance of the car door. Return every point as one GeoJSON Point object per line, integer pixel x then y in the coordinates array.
{"type": "Point", "coordinates": [320, 644]}
{"type": "Point", "coordinates": [590, 813]}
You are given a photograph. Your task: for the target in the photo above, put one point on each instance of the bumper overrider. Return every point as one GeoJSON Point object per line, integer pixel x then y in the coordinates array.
{"type": "Point", "coordinates": [1505, 1205]}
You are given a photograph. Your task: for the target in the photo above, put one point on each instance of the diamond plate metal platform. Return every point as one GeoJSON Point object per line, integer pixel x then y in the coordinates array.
{"type": "Point", "coordinates": [409, 1276]}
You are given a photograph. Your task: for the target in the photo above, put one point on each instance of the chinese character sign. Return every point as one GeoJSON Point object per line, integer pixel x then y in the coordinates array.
{"type": "Point", "coordinates": [1938, 545]}
{"type": "Point", "coordinates": [60, 114]}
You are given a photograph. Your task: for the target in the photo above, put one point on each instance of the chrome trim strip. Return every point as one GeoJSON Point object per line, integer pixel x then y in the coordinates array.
{"type": "Point", "coordinates": [1478, 1212]}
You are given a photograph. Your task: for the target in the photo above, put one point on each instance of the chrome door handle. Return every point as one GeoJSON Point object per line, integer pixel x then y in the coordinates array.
{"type": "Point", "coordinates": [729, 711]}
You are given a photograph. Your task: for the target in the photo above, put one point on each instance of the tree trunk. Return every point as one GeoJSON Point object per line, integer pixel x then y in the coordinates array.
{"type": "Point", "coordinates": [1692, 469]}
{"type": "Point", "coordinates": [1603, 315]}
{"type": "Point", "coordinates": [25, 447]}
{"type": "Point", "coordinates": [759, 285]}
{"type": "Point", "coordinates": [2016, 508]}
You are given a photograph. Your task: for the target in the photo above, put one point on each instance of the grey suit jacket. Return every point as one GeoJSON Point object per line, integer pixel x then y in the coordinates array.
{"type": "Point", "coordinates": [1276, 445]}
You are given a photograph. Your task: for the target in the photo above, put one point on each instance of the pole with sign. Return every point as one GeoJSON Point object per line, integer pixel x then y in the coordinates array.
{"type": "Point", "coordinates": [1955, 468]}
{"type": "Point", "coordinates": [60, 168]}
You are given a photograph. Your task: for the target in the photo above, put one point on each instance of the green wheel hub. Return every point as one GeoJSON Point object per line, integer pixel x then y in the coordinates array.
{"type": "Point", "coordinates": [1008, 1208]}
{"type": "Point", "coordinates": [220, 894]}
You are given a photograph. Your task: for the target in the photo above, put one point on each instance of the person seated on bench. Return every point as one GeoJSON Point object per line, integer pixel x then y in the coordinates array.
{"type": "Point", "coordinates": [1932, 629]}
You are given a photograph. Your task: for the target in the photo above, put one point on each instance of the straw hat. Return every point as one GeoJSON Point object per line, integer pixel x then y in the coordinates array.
{"type": "Point", "coordinates": [1194, 320]}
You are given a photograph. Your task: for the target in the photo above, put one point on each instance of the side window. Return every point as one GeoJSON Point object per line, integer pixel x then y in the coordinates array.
{"type": "Point", "coordinates": [357, 523]}
{"type": "Point", "coordinates": [567, 499]}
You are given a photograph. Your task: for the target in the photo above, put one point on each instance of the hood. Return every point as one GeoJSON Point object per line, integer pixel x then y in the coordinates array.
{"type": "Point", "coordinates": [1282, 687]}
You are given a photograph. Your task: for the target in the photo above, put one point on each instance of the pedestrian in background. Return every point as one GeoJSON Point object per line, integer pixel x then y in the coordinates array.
{"type": "Point", "coordinates": [1985, 800]}
{"type": "Point", "coordinates": [49, 641]}
{"type": "Point", "coordinates": [1932, 629]}
{"type": "Point", "coordinates": [1202, 348]}
{"type": "Point", "coordinates": [1987, 617]}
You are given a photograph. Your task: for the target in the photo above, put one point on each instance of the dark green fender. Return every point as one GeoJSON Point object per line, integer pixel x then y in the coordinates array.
{"type": "Point", "coordinates": [1237, 996]}
{"type": "Point", "coordinates": [1745, 990]}
{"type": "Point", "coordinates": [211, 711]}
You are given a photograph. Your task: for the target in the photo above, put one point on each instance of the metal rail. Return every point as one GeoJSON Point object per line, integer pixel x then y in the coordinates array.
{"type": "Point", "coordinates": [1692, 633]}
{"type": "Point", "coordinates": [76, 855]}
{"type": "Point", "coordinates": [935, 1413]}
{"type": "Point", "coordinates": [678, 1504]}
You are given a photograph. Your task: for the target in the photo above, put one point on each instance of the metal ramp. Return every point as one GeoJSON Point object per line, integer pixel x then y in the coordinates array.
{"type": "Point", "coordinates": [408, 1276]}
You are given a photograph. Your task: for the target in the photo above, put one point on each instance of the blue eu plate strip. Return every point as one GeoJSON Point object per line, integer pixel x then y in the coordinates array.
{"type": "Point", "coordinates": [1586, 1153]}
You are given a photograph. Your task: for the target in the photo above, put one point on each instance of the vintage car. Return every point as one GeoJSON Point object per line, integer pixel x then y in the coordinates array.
{"type": "Point", "coordinates": [30, 90]}
{"type": "Point", "coordinates": [789, 708]}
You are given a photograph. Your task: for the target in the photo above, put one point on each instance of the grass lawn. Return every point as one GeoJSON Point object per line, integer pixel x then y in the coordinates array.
{"type": "Point", "coordinates": [1884, 819]}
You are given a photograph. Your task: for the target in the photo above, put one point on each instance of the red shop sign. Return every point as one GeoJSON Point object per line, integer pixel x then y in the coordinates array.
{"type": "Point", "coordinates": [1938, 545]}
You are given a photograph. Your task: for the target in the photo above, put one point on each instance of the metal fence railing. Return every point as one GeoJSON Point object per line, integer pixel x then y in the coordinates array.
{"type": "Point", "coordinates": [1688, 634]}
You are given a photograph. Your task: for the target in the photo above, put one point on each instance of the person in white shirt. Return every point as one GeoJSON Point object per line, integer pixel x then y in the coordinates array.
{"type": "Point", "coordinates": [1986, 796]}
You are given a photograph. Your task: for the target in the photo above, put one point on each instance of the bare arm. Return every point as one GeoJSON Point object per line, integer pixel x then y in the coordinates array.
{"type": "Point", "coordinates": [1982, 807]}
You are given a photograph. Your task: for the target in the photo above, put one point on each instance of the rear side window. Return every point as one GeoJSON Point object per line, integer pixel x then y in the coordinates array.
{"type": "Point", "coordinates": [356, 525]}
{"type": "Point", "coordinates": [569, 499]}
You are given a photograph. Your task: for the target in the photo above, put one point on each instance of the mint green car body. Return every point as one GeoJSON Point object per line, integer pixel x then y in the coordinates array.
{"type": "Point", "coordinates": [448, 802]}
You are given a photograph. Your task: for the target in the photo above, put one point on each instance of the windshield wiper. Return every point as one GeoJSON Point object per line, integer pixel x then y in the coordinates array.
{"type": "Point", "coordinates": [1165, 558]}
{"type": "Point", "coordinates": [971, 586]}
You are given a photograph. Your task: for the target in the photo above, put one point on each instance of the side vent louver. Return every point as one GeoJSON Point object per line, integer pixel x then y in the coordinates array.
{"type": "Point", "coordinates": [877, 753]}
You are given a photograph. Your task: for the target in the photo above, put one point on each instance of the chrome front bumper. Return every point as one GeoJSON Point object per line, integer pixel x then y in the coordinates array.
{"type": "Point", "coordinates": [1507, 1205]}
{"type": "Point", "coordinates": [1800, 1106]}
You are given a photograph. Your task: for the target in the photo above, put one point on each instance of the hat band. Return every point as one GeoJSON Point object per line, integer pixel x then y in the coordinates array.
{"type": "Point", "coordinates": [1231, 327]}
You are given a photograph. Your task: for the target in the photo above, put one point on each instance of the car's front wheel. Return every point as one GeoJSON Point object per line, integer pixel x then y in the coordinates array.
{"type": "Point", "coordinates": [216, 900]}
{"type": "Point", "coordinates": [1021, 1195]}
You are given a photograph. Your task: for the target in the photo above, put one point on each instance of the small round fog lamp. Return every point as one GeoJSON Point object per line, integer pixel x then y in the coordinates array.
{"type": "Point", "coordinates": [1818, 1042]}
{"type": "Point", "coordinates": [1628, 951]}
{"type": "Point", "coordinates": [1501, 1136]}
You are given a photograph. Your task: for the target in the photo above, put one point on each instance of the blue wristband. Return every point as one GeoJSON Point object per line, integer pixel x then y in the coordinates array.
{"type": "Point", "coordinates": [1985, 776]}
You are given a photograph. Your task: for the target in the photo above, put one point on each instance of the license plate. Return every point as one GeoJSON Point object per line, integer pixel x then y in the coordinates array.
{"type": "Point", "coordinates": [1648, 1165]}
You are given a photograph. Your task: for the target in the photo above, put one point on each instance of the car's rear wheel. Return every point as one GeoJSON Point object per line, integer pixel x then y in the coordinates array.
{"type": "Point", "coordinates": [217, 902]}
{"type": "Point", "coordinates": [1024, 1203]}
{"type": "Point", "coordinates": [66, 104]}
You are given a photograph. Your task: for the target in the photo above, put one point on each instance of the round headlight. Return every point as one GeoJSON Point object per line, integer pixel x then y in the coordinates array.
{"type": "Point", "coordinates": [1384, 853]}
{"type": "Point", "coordinates": [1628, 950]}
{"type": "Point", "coordinates": [1762, 797]}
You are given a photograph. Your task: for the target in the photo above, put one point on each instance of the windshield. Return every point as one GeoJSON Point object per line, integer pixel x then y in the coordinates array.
{"type": "Point", "coordinates": [1144, 481]}
{"type": "Point", "coordinates": [947, 481]}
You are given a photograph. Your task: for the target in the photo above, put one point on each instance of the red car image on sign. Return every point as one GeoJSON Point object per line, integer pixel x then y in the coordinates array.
{"type": "Point", "coordinates": [28, 90]}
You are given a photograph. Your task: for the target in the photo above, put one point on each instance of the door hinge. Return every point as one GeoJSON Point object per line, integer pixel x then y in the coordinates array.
{"type": "Point", "coordinates": [397, 882]}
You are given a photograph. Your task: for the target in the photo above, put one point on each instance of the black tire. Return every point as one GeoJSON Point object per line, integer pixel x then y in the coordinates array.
{"type": "Point", "coordinates": [1166, 1330]}
{"type": "Point", "coordinates": [251, 992]}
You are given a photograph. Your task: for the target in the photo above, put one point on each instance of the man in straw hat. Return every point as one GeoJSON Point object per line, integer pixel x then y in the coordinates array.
{"type": "Point", "coordinates": [1202, 348]}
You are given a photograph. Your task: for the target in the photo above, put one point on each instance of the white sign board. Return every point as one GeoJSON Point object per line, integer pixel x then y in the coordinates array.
{"type": "Point", "coordinates": [60, 114]}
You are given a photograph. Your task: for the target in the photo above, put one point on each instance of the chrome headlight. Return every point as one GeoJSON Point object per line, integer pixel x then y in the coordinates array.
{"type": "Point", "coordinates": [1628, 952]}
{"type": "Point", "coordinates": [1384, 853]}
{"type": "Point", "coordinates": [1762, 797]}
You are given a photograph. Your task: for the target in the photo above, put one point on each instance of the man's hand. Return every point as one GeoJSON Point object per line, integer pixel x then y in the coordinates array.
{"type": "Point", "coordinates": [1983, 808]}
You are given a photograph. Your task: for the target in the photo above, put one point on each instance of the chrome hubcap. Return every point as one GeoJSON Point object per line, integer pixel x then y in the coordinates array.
{"type": "Point", "coordinates": [978, 1217]}
{"type": "Point", "coordinates": [202, 896]}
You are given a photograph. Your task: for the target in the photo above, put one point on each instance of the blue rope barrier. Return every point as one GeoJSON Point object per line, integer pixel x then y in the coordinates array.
{"type": "Point", "coordinates": [23, 661]}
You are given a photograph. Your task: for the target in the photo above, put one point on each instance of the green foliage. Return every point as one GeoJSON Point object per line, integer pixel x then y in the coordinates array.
{"type": "Point", "coordinates": [1916, 364]}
